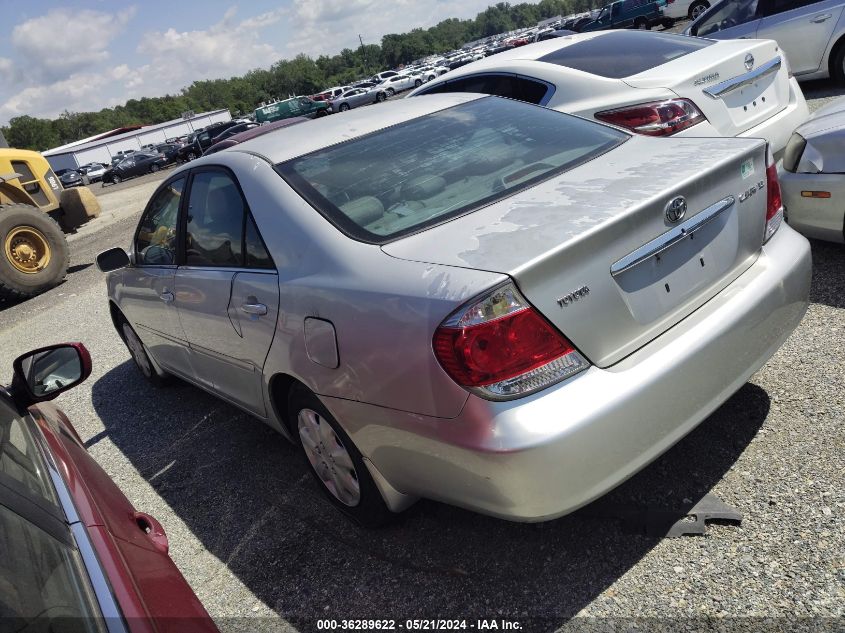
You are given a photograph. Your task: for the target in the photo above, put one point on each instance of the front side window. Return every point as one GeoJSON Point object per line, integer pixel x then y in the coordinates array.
{"type": "Point", "coordinates": [43, 586]}
{"type": "Point", "coordinates": [427, 170]}
{"type": "Point", "coordinates": [728, 15]}
{"type": "Point", "coordinates": [155, 242]}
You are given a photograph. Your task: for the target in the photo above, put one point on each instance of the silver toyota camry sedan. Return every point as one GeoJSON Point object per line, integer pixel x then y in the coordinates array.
{"type": "Point", "coordinates": [465, 298]}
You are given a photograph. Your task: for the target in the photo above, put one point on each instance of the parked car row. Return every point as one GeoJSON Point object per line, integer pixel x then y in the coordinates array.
{"type": "Point", "coordinates": [135, 164]}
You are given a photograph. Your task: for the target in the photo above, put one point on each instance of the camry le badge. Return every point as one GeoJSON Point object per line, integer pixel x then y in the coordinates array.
{"type": "Point", "coordinates": [749, 61]}
{"type": "Point", "coordinates": [676, 209]}
{"type": "Point", "coordinates": [745, 195]}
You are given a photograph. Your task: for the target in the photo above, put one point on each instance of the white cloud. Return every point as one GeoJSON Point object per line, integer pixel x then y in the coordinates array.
{"type": "Point", "coordinates": [327, 26]}
{"type": "Point", "coordinates": [7, 69]}
{"type": "Point", "coordinates": [177, 58]}
{"type": "Point", "coordinates": [49, 100]}
{"type": "Point", "coordinates": [64, 42]}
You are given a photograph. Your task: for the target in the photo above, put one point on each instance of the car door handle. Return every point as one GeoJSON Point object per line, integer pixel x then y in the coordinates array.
{"type": "Point", "coordinates": [821, 18]}
{"type": "Point", "coordinates": [167, 296]}
{"type": "Point", "coordinates": [257, 309]}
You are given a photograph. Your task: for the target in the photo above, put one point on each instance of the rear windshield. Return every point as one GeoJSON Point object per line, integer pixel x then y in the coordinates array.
{"type": "Point", "coordinates": [620, 54]}
{"type": "Point", "coordinates": [428, 170]}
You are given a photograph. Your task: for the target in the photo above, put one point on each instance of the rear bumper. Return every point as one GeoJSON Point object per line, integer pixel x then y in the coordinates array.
{"type": "Point", "coordinates": [545, 455]}
{"type": "Point", "coordinates": [820, 218]}
{"type": "Point", "coordinates": [778, 129]}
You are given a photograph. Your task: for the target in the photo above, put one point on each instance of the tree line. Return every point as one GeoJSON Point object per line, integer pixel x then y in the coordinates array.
{"type": "Point", "coordinates": [297, 76]}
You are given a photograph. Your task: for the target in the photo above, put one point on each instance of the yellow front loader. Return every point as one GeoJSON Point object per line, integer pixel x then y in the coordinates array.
{"type": "Point", "coordinates": [35, 213]}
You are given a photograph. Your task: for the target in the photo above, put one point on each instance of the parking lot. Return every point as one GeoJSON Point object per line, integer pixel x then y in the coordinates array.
{"type": "Point", "coordinates": [264, 551]}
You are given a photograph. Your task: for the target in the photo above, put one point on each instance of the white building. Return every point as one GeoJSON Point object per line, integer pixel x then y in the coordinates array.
{"type": "Point", "coordinates": [101, 150]}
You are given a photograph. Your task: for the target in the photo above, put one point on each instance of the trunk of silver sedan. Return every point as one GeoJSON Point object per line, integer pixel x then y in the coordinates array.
{"type": "Point", "coordinates": [602, 254]}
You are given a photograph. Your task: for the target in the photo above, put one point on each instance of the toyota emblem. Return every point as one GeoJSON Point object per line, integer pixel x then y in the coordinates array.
{"type": "Point", "coordinates": [749, 61]}
{"type": "Point", "coordinates": [676, 209]}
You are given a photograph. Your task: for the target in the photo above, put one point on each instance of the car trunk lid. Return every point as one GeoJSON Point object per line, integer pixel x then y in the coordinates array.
{"type": "Point", "coordinates": [737, 84]}
{"type": "Point", "coordinates": [593, 251]}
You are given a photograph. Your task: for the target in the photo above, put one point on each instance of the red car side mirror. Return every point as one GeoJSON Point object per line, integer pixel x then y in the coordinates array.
{"type": "Point", "coordinates": [44, 373]}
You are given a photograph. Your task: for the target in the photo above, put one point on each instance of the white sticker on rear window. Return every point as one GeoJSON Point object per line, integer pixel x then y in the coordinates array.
{"type": "Point", "coordinates": [747, 168]}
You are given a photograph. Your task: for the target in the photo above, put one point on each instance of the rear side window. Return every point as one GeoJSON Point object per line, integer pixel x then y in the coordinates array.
{"type": "Point", "coordinates": [220, 229]}
{"type": "Point", "coordinates": [500, 85]}
{"type": "Point", "coordinates": [428, 170]}
{"type": "Point", "coordinates": [779, 6]}
{"type": "Point", "coordinates": [215, 221]}
{"type": "Point", "coordinates": [618, 54]}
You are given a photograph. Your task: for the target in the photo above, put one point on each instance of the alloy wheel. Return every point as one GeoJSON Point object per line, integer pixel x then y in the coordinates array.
{"type": "Point", "coordinates": [329, 457]}
{"type": "Point", "coordinates": [136, 349]}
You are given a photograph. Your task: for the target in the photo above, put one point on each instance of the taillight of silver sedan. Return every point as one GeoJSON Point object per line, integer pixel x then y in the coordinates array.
{"type": "Point", "coordinates": [465, 298]}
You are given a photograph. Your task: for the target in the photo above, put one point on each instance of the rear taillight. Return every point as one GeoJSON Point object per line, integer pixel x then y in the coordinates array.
{"type": "Point", "coordinates": [500, 347]}
{"type": "Point", "coordinates": [658, 118]}
{"type": "Point", "coordinates": [774, 202]}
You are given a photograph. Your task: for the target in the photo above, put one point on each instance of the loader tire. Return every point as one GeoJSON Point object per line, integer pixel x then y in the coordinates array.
{"type": "Point", "coordinates": [34, 254]}
{"type": "Point", "coordinates": [79, 206]}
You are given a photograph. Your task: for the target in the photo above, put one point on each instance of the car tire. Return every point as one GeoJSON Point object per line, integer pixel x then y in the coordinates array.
{"type": "Point", "coordinates": [343, 107]}
{"type": "Point", "coordinates": [30, 233]}
{"type": "Point", "coordinates": [380, 97]}
{"type": "Point", "coordinates": [116, 179]}
{"type": "Point", "coordinates": [154, 168]}
{"type": "Point", "coordinates": [697, 8]}
{"type": "Point", "coordinates": [389, 92]}
{"type": "Point", "coordinates": [837, 70]}
{"type": "Point", "coordinates": [418, 83]}
{"type": "Point", "coordinates": [140, 355]}
{"type": "Point", "coordinates": [191, 156]}
{"type": "Point", "coordinates": [641, 25]}
{"type": "Point", "coordinates": [334, 461]}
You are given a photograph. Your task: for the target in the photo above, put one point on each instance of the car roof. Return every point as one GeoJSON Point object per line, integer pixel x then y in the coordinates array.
{"type": "Point", "coordinates": [533, 52]}
{"type": "Point", "coordinates": [304, 139]}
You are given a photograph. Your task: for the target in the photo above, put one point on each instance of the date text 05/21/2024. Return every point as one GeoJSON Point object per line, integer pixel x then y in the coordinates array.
{"type": "Point", "coordinates": [425, 624]}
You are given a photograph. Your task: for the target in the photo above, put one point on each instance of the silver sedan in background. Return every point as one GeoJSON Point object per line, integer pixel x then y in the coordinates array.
{"type": "Point", "coordinates": [813, 176]}
{"type": "Point", "coordinates": [357, 97]}
{"type": "Point", "coordinates": [465, 298]}
{"type": "Point", "coordinates": [810, 32]}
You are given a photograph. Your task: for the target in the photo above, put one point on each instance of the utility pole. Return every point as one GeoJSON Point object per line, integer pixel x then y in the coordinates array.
{"type": "Point", "coordinates": [363, 55]}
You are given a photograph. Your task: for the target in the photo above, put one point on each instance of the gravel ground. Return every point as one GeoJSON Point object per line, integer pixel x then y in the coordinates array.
{"type": "Point", "coordinates": [264, 552]}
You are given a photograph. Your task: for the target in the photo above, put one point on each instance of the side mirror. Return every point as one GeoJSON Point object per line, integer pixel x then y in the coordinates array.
{"type": "Point", "coordinates": [45, 373]}
{"type": "Point", "coordinates": [112, 259]}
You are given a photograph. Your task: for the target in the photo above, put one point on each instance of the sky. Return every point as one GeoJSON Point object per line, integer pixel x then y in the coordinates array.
{"type": "Point", "coordinates": [92, 54]}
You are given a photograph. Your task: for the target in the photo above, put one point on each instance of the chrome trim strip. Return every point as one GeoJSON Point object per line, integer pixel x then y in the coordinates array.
{"type": "Point", "coordinates": [109, 607]}
{"type": "Point", "coordinates": [670, 238]}
{"type": "Point", "coordinates": [111, 612]}
{"type": "Point", "coordinates": [716, 91]}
